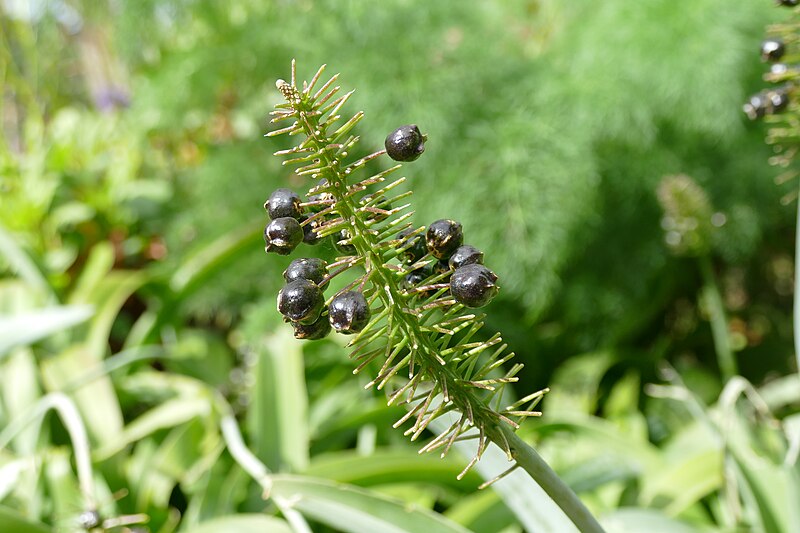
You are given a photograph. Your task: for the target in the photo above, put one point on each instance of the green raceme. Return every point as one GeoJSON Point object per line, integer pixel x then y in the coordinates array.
{"type": "Point", "coordinates": [409, 306]}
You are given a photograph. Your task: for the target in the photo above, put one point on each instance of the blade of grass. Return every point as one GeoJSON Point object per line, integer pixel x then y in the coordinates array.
{"type": "Point", "coordinates": [23, 266]}
{"type": "Point", "coordinates": [169, 414]}
{"type": "Point", "coordinates": [33, 326]}
{"type": "Point", "coordinates": [97, 401]}
{"type": "Point", "coordinates": [277, 419]}
{"type": "Point", "coordinates": [14, 522]}
{"type": "Point", "coordinates": [355, 510]}
{"type": "Point", "coordinates": [390, 466]}
{"type": "Point", "coordinates": [242, 523]}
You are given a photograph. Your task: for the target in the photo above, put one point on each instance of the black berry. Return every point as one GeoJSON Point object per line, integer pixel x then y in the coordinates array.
{"type": "Point", "coordinates": [405, 143]}
{"type": "Point", "coordinates": [414, 278]}
{"type": "Point", "coordinates": [473, 285]}
{"type": "Point", "coordinates": [415, 248]}
{"type": "Point", "coordinates": [756, 106]}
{"type": "Point", "coordinates": [310, 268]}
{"type": "Point", "coordinates": [309, 231]}
{"type": "Point", "coordinates": [301, 301]}
{"type": "Point", "coordinates": [341, 241]}
{"type": "Point", "coordinates": [314, 331]}
{"type": "Point", "coordinates": [283, 203]}
{"type": "Point", "coordinates": [778, 100]}
{"type": "Point", "coordinates": [320, 196]}
{"type": "Point", "coordinates": [89, 520]}
{"type": "Point", "coordinates": [443, 237]}
{"type": "Point", "coordinates": [282, 235]}
{"type": "Point", "coordinates": [349, 312]}
{"type": "Point", "coordinates": [772, 49]}
{"type": "Point", "coordinates": [788, 3]}
{"type": "Point", "coordinates": [466, 255]}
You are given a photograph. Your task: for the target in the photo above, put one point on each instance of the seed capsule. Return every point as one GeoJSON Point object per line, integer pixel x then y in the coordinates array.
{"type": "Point", "coordinates": [466, 255]}
{"type": "Point", "coordinates": [406, 143]}
{"type": "Point", "coordinates": [772, 49]}
{"type": "Point", "coordinates": [416, 250]}
{"type": "Point", "coordinates": [282, 235]}
{"type": "Point", "coordinates": [310, 268]}
{"type": "Point", "coordinates": [283, 203]}
{"type": "Point", "coordinates": [443, 237]}
{"type": "Point", "coordinates": [473, 285]}
{"type": "Point", "coordinates": [301, 301]}
{"type": "Point", "coordinates": [349, 312]}
{"type": "Point", "coordinates": [314, 331]}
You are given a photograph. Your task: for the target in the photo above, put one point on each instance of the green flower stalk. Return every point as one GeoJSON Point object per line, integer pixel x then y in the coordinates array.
{"type": "Point", "coordinates": [409, 318]}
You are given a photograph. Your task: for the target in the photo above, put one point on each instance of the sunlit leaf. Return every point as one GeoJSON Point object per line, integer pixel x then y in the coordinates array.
{"type": "Point", "coordinates": [242, 523]}
{"type": "Point", "coordinates": [354, 510]}
{"type": "Point", "coordinates": [29, 327]}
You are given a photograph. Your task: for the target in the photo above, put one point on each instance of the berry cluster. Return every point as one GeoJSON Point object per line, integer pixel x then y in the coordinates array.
{"type": "Point", "coordinates": [470, 283]}
{"type": "Point", "coordinates": [410, 304]}
{"type": "Point", "coordinates": [774, 50]}
{"type": "Point", "coordinates": [437, 259]}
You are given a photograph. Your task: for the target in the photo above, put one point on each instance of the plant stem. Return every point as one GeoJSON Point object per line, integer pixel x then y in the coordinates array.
{"type": "Point", "coordinates": [719, 321]}
{"type": "Point", "coordinates": [530, 461]}
{"type": "Point", "coordinates": [258, 471]}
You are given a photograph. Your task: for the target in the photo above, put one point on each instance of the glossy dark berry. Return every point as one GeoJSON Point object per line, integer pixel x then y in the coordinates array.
{"type": "Point", "coordinates": [89, 520]}
{"type": "Point", "coordinates": [772, 49]}
{"type": "Point", "coordinates": [473, 285]}
{"type": "Point", "coordinates": [341, 241]}
{"type": "Point", "coordinates": [778, 100]}
{"type": "Point", "coordinates": [414, 278]}
{"type": "Point", "coordinates": [415, 247]}
{"type": "Point", "coordinates": [406, 143]}
{"type": "Point", "coordinates": [314, 331]}
{"type": "Point", "coordinates": [466, 255]}
{"type": "Point", "coordinates": [309, 231]}
{"type": "Point", "coordinates": [282, 235]}
{"type": "Point", "coordinates": [283, 203]}
{"type": "Point", "coordinates": [788, 3]}
{"type": "Point", "coordinates": [441, 266]}
{"type": "Point", "coordinates": [310, 268]}
{"type": "Point", "coordinates": [349, 312]}
{"type": "Point", "coordinates": [301, 301]}
{"type": "Point", "coordinates": [443, 238]}
{"type": "Point", "coordinates": [320, 196]}
{"type": "Point", "coordinates": [756, 106]}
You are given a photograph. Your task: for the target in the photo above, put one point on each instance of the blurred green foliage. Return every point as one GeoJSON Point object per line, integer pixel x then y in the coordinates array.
{"type": "Point", "coordinates": [132, 174]}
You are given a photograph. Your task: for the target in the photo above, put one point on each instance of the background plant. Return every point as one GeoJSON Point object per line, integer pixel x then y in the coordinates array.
{"type": "Point", "coordinates": [564, 128]}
